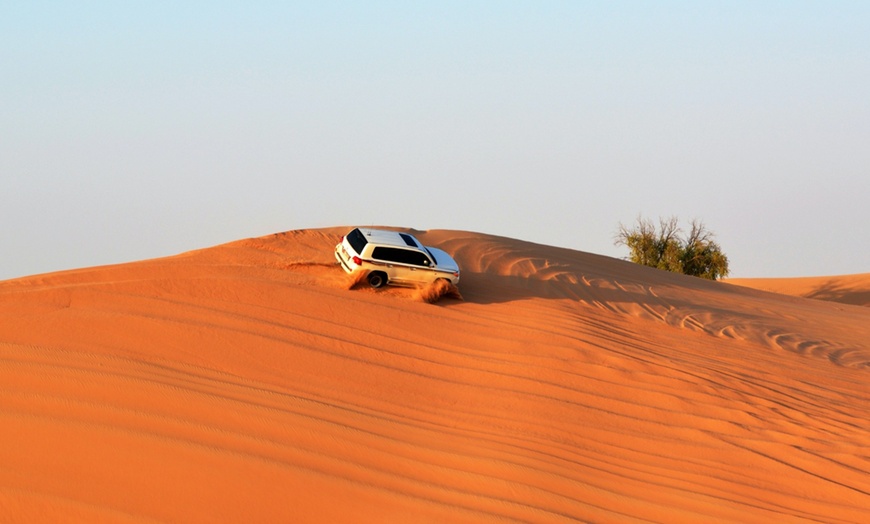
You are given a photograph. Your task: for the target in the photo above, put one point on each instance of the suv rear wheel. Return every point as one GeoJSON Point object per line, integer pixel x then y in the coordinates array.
{"type": "Point", "coordinates": [377, 279]}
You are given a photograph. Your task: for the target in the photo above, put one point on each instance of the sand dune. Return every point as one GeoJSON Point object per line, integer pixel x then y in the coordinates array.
{"type": "Point", "coordinates": [846, 289]}
{"type": "Point", "coordinates": [252, 382]}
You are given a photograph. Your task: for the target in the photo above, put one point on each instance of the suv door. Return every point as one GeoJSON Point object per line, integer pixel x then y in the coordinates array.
{"type": "Point", "coordinates": [403, 265]}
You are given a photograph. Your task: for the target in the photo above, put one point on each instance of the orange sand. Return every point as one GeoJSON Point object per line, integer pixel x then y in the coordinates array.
{"type": "Point", "coordinates": [248, 383]}
{"type": "Point", "coordinates": [847, 289]}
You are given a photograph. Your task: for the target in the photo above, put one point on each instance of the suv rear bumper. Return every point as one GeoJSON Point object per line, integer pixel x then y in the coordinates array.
{"type": "Point", "coordinates": [342, 262]}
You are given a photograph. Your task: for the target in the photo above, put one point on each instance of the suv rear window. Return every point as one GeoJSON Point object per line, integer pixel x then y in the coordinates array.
{"type": "Point", "coordinates": [357, 240]}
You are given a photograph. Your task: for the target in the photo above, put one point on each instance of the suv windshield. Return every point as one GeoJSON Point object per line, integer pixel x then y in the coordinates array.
{"type": "Point", "coordinates": [431, 255]}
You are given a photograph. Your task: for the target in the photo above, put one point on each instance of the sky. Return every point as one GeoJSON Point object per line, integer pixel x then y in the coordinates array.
{"type": "Point", "coordinates": [141, 129]}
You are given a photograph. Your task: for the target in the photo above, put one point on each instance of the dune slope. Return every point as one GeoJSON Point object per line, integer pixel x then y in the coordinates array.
{"type": "Point", "coordinates": [248, 383]}
{"type": "Point", "coordinates": [847, 289]}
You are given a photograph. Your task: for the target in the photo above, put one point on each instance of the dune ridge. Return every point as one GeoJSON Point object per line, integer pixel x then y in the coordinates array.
{"type": "Point", "coordinates": [254, 382]}
{"type": "Point", "coordinates": [846, 289]}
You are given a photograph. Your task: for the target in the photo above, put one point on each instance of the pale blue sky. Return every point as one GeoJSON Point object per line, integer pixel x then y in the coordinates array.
{"type": "Point", "coordinates": [133, 130]}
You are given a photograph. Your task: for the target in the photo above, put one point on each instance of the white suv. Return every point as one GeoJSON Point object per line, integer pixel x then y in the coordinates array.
{"type": "Point", "coordinates": [390, 257]}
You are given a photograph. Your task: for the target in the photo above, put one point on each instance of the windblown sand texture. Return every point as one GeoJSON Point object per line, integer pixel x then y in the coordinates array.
{"type": "Point", "coordinates": [847, 289]}
{"type": "Point", "coordinates": [249, 383]}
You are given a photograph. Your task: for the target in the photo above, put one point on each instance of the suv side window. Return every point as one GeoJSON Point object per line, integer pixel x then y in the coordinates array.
{"type": "Point", "coordinates": [386, 254]}
{"type": "Point", "coordinates": [418, 259]}
{"type": "Point", "coordinates": [400, 256]}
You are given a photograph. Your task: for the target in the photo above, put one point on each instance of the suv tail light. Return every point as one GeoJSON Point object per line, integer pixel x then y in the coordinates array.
{"type": "Point", "coordinates": [357, 261]}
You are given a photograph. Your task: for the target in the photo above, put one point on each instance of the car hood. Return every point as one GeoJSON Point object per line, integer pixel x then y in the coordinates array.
{"type": "Point", "coordinates": [443, 260]}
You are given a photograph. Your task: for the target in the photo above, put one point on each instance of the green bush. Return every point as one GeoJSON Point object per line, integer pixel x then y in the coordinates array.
{"type": "Point", "coordinates": [695, 254]}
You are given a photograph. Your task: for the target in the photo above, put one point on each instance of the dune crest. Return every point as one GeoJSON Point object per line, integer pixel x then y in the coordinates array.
{"type": "Point", "coordinates": [253, 382]}
{"type": "Point", "coordinates": [845, 289]}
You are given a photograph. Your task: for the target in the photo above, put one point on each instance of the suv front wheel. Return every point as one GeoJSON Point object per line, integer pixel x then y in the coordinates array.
{"type": "Point", "coordinates": [377, 279]}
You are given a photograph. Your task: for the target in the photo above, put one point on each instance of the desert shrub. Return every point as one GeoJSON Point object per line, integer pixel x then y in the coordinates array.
{"type": "Point", "coordinates": [665, 247]}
